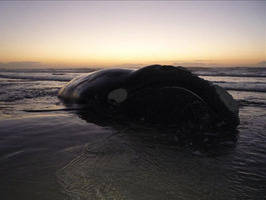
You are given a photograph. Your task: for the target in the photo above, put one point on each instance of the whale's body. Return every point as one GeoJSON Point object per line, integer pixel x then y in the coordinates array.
{"type": "Point", "coordinates": [157, 94]}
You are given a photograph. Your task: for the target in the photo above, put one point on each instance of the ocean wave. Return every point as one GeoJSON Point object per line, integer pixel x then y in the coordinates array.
{"type": "Point", "coordinates": [237, 84]}
{"type": "Point", "coordinates": [28, 94]}
{"type": "Point", "coordinates": [37, 78]}
{"type": "Point", "coordinates": [228, 82]}
{"type": "Point", "coordinates": [246, 89]}
{"type": "Point", "coordinates": [243, 86]}
{"type": "Point", "coordinates": [229, 75]}
{"type": "Point", "coordinates": [251, 103]}
{"type": "Point", "coordinates": [231, 72]}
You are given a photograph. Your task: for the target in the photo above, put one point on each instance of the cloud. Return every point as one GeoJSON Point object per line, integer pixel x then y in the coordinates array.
{"type": "Point", "coordinates": [129, 65]}
{"type": "Point", "coordinates": [194, 64]}
{"type": "Point", "coordinates": [261, 64]}
{"type": "Point", "coordinates": [24, 64]}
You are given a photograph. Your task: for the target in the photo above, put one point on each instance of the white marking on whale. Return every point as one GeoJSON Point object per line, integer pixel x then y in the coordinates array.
{"type": "Point", "coordinates": [118, 95]}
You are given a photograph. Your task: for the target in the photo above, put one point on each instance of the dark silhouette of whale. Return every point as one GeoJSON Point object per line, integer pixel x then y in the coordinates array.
{"type": "Point", "coordinates": [158, 95]}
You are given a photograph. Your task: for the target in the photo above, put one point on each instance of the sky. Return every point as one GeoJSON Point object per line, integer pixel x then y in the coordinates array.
{"type": "Point", "coordinates": [130, 33]}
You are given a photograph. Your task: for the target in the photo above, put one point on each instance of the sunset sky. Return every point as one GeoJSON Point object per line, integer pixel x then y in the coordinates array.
{"type": "Point", "coordinates": [117, 33]}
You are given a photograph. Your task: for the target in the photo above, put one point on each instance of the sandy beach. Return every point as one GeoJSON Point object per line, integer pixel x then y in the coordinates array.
{"type": "Point", "coordinates": [49, 151]}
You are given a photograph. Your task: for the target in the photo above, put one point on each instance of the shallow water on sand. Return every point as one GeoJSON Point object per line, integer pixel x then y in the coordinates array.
{"type": "Point", "coordinates": [55, 153]}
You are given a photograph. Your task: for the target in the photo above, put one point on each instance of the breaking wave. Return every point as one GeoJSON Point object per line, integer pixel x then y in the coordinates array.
{"type": "Point", "coordinates": [231, 72]}
{"type": "Point", "coordinates": [23, 84]}
{"type": "Point", "coordinates": [230, 75]}
{"type": "Point", "coordinates": [56, 77]}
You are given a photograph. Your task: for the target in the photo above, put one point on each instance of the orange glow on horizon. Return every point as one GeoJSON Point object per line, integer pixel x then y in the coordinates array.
{"type": "Point", "coordinates": [116, 33]}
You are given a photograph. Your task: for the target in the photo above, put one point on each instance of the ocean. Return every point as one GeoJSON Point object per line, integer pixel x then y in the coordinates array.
{"type": "Point", "coordinates": [50, 151]}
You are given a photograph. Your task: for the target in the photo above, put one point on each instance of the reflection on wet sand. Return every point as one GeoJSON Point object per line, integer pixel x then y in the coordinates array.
{"type": "Point", "coordinates": [140, 162]}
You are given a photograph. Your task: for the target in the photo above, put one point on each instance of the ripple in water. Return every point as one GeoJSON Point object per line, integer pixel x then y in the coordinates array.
{"type": "Point", "coordinates": [131, 164]}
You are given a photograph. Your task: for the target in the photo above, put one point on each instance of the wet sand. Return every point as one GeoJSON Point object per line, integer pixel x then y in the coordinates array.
{"type": "Point", "coordinates": [48, 151]}
{"type": "Point", "coordinates": [61, 156]}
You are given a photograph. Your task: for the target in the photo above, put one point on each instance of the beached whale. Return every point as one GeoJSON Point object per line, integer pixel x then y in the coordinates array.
{"type": "Point", "coordinates": [154, 94]}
